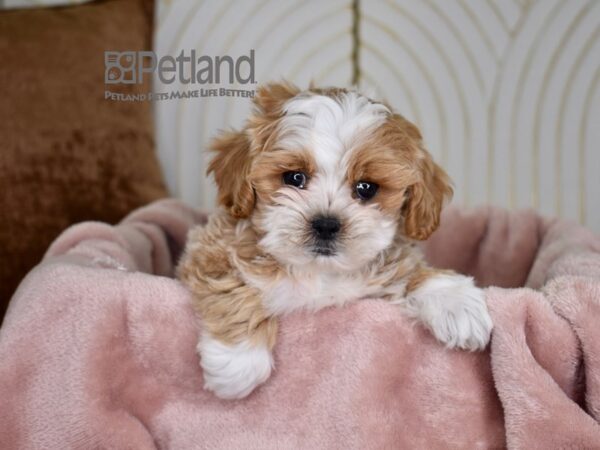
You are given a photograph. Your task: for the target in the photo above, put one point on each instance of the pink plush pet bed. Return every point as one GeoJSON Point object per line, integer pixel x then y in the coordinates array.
{"type": "Point", "coordinates": [98, 350]}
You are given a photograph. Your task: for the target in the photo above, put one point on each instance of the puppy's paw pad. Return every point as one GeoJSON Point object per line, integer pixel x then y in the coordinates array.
{"type": "Point", "coordinates": [233, 371]}
{"type": "Point", "coordinates": [454, 309]}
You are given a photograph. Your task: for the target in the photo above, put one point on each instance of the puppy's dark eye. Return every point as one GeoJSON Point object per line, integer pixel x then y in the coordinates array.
{"type": "Point", "coordinates": [297, 179]}
{"type": "Point", "coordinates": [365, 190]}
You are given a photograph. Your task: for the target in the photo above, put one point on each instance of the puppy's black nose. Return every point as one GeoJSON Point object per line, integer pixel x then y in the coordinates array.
{"type": "Point", "coordinates": [325, 227]}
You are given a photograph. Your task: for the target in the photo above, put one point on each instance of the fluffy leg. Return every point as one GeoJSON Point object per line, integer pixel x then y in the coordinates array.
{"type": "Point", "coordinates": [235, 349]}
{"type": "Point", "coordinates": [238, 335]}
{"type": "Point", "coordinates": [452, 307]}
{"type": "Point", "coordinates": [233, 371]}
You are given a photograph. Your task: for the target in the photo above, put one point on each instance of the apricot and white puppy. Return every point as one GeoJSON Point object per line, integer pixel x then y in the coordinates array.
{"type": "Point", "coordinates": [324, 193]}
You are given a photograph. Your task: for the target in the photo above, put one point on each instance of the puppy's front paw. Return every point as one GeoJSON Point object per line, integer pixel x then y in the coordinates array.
{"type": "Point", "coordinates": [454, 309]}
{"type": "Point", "coordinates": [233, 371]}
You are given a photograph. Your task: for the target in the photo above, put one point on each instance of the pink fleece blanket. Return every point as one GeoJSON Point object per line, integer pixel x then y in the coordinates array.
{"type": "Point", "coordinates": [98, 350]}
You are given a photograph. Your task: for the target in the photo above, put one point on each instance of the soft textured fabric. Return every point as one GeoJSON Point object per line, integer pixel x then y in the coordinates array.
{"type": "Point", "coordinates": [66, 153]}
{"type": "Point", "coordinates": [98, 350]}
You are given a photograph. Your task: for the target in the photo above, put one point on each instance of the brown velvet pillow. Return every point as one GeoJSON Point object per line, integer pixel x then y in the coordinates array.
{"type": "Point", "coordinates": [66, 153]}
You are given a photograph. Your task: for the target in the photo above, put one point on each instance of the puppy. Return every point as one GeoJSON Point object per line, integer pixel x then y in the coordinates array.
{"type": "Point", "coordinates": [323, 195]}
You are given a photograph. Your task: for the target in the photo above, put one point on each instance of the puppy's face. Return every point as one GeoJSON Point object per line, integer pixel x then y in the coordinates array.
{"type": "Point", "coordinates": [328, 177]}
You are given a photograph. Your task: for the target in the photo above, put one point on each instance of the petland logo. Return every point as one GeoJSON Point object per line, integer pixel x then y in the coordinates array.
{"type": "Point", "coordinates": [186, 69]}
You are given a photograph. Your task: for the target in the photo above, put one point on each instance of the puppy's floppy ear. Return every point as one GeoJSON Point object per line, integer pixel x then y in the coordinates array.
{"type": "Point", "coordinates": [235, 150]}
{"type": "Point", "coordinates": [426, 197]}
{"type": "Point", "coordinates": [231, 167]}
{"type": "Point", "coordinates": [271, 97]}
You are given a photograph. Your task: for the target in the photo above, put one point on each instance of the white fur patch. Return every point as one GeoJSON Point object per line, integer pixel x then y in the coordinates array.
{"type": "Point", "coordinates": [330, 127]}
{"type": "Point", "coordinates": [233, 371]}
{"type": "Point", "coordinates": [313, 291]}
{"type": "Point", "coordinates": [454, 309]}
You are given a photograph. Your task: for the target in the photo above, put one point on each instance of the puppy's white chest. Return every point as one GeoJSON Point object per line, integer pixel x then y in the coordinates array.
{"type": "Point", "coordinates": [313, 292]}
